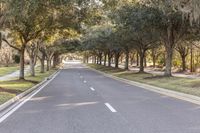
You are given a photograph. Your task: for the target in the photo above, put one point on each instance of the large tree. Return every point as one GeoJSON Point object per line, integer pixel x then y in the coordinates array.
{"type": "Point", "coordinates": [27, 19]}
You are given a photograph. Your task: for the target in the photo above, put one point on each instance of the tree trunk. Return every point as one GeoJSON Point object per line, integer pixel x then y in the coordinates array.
{"type": "Point", "coordinates": [109, 59]}
{"type": "Point", "coordinates": [32, 66]}
{"type": "Point", "coordinates": [127, 60]}
{"type": "Point", "coordinates": [154, 57]}
{"type": "Point", "coordinates": [95, 60]}
{"type": "Point", "coordinates": [21, 73]}
{"type": "Point", "coordinates": [137, 64]}
{"type": "Point", "coordinates": [169, 46]}
{"type": "Point", "coordinates": [100, 59]}
{"type": "Point", "coordinates": [42, 63]}
{"type": "Point", "coordinates": [55, 60]}
{"type": "Point", "coordinates": [105, 59]}
{"type": "Point", "coordinates": [116, 59]}
{"type": "Point", "coordinates": [145, 61]}
{"type": "Point", "coordinates": [48, 64]}
{"type": "Point", "coordinates": [183, 57]}
{"type": "Point", "coordinates": [168, 65]}
{"type": "Point", "coordinates": [141, 54]}
{"type": "Point", "coordinates": [191, 60]}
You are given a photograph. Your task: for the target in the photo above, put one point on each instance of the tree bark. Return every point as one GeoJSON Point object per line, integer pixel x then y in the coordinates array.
{"type": "Point", "coordinates": [183, 57]}
{"type": "Point", "coordinates": [169, 47]}
{"type": "Point", "coordinates": [145, 61]}
{"type": "Point", "coordinates": [42, 65]}
{"type": "Point", "coordinates": [191, 60]}
{"type": "Point", "coordinates": [168, 65]}
{"type": "Point", "coordinates": [137, 64]}
{"type": "Point", "coordinates": [48, 64]}
{"type": "Point", "coordinates": [55, 60]}
{"type": "Point", "coordinates": [32, 67]}
{"type": "Point", "coordinates": [21, 73]}
{"type": "Point", "coordinates": [117, 55]}
{"type": "Point", "coordinates": [105, 58]}
{"type": "Point", "coordinates": [100, 59]}
{"type": "Point", "coordinates": [109, 59]}
{"type": "Point", "coordinates": [141, 54]}
{"type": "Point", "coordinates": [127, 60]}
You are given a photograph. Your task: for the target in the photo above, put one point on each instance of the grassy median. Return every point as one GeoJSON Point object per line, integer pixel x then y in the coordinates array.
{"type": "Point", "coordinates": [9, 89]}
{"type": "Point", "coordinates": [185, 85]}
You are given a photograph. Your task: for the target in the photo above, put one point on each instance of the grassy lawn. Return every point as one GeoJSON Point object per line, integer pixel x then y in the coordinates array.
{"type": "Point", "coordinates": [185, 85]}
{"type": "Point", "coordinates": [8, 70]}
{"type": "Point", "coordinates": [9, 89]}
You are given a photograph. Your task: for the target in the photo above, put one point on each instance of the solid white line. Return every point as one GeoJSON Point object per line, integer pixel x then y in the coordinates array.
{"type": "Point", "coordinates": [110, 107]}
{"type": "Point", "coordinates": [25, 100]}
{"type": "Point", "coordinates": [91, 88]}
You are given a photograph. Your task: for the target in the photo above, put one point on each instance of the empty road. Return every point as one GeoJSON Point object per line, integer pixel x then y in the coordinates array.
{"type": "Point", "coordinates": [79, 100]}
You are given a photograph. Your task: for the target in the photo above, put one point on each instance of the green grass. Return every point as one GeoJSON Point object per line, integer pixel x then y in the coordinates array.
{"type": "Point", "coordinates": [8, 70]}
{"type": "Point", "coordinates": [185, 85]}
{"type": "Point", "coordinates": [14, 87]}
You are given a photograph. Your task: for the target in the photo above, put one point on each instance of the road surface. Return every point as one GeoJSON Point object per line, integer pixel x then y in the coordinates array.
{"type": "Point", "coordinates": [79, 100]}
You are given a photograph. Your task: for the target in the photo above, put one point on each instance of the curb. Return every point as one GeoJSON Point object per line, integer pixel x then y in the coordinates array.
{"type": "Point", "coordinates": [178, 95]}
{"type": "Point", "coordinates": [7, 104]}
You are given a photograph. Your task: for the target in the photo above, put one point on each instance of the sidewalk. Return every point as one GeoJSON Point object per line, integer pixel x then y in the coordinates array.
{"type": "Point", "coordinates": [14, 74]}
{"type": "Point", "coordinates": [149, 70]}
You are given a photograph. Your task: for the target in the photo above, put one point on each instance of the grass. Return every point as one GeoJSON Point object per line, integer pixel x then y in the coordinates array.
{"type": "Point", "coordinates": [8, 70]}
{"type": "Point", "coordinates": [185, 85]}
{"type": "Point", "coordinates": [9, 89]}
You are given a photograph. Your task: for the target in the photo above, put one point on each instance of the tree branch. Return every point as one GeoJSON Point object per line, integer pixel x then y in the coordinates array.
{"type": "Point", "coordinates": [11, 44]}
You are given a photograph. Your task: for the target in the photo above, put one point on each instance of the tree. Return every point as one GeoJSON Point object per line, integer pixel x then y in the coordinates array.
{"type": "Point", "coordinates": [137, 20]}
{"type": "Point", "coordinates": [170, 25]}
{"type": "Point", "coordinates": [32, 50]}
{"type": "Point", "coordinates": [183, 49]}
{"type": "Point", "coordinates": [27, 20]}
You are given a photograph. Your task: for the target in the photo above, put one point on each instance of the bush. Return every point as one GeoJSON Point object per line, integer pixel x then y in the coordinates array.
{"type": "Point", "coordinates": [16, 59]}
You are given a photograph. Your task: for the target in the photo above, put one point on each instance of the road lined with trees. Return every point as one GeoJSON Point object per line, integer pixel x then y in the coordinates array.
{"type": "Point", "coordinates": [159, 35]}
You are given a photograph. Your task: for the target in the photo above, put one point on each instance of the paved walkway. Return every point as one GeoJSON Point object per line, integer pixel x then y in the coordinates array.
{"type": "Point", "coordinates": [13, 75]}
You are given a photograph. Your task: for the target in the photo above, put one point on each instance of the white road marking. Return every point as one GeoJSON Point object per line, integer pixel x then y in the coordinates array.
{"type": "Point", "coordinates": [5, 116]}
{"type": "Point", "coordinates": [110, 107]}
{"type": "Point", "coordinates": [85, 81]}
{"type": "Point", "coordinates": [91, 88]}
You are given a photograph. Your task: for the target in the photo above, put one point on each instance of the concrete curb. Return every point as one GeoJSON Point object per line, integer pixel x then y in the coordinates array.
{"type": "Point", "coordinates": [171, 93]}
{"type": "Point", "coordinates": [20, 96]}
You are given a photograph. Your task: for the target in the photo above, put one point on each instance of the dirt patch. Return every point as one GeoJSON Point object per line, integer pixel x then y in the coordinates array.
{"type": "Point", "coordinates": [23, 80]}
{"type": "Point", "coordinates": [10, 91]}
{"type": "Point", "coordinates": [196, 85]}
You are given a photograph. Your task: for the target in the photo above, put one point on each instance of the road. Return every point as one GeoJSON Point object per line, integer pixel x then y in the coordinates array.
{"type": "Point", "coordinates": [79, 100]}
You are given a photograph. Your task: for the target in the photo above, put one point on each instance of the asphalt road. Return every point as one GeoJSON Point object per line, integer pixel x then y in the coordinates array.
{"type": "Point", "coordinates": [80, 100]}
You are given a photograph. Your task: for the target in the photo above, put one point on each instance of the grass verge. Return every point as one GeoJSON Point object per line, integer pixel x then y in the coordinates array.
{"type": "Point", "coordinates": [9, 89]}
{"type": "Point", "coordinates": [184, 85]}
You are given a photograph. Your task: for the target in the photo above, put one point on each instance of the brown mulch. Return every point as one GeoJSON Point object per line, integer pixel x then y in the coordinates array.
{"type": "Point", "coordinates": [10, 91]}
